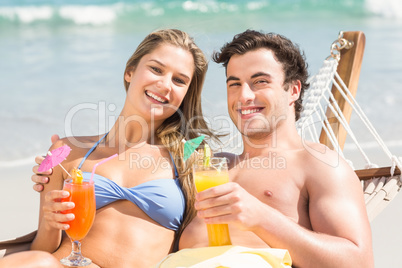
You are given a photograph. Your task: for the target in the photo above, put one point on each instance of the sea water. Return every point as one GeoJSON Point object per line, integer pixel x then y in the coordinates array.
{"type": "Point", "coordinates": [62, 62]}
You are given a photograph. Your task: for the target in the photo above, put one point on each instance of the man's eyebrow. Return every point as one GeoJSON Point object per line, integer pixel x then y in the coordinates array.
{"type": "Point", "coordinates": [181, 74]}
{"type": "Point", "coordinates": [260, 74]}
{"type": "Point", "coordinates": [232, 78]}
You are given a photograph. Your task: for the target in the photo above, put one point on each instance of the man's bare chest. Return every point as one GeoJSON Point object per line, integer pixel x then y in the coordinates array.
{"type": "Point", "coordinates": [282, 189]}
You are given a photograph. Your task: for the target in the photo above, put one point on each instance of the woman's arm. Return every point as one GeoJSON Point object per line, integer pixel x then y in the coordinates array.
{"type": "Point", "coordinates": [50, 226]}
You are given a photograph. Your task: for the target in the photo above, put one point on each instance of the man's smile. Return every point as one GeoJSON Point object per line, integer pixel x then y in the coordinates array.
{"type": "Point", "coordinates": [250, 110]}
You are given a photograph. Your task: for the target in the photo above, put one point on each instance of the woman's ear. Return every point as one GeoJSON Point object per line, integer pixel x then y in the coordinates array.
{"type": "Point", "coordinates": [294, 91]}
{"type": "Point", "coordinates": [128, 74]}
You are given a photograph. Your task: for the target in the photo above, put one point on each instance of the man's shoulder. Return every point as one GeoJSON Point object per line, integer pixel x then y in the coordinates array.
{"type": "Point", "coordinates": [325, 164]}
{"type": "Point", "coordinates": [229, 156]}
{"type": "Point", "coordinates": [320, 155]}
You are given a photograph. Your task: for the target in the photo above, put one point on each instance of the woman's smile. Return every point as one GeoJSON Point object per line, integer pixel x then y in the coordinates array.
{"type": "Point", "coordinates": [155, 98]}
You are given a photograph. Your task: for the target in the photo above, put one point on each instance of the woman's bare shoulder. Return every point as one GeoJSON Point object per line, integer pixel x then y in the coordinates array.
{"type": "Point", "coordinates": [76, 143]}
{"type": "Point", "coordinates": [79, 147]}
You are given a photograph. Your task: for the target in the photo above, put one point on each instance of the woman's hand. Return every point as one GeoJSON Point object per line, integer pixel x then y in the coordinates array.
{"type": "Point", "coordinates": [42, 178]}
{"type": "Point", "coordinates": [53, 207]}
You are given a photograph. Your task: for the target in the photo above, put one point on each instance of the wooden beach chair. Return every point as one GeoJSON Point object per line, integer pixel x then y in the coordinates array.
{"type": "Point", "coordinates": [328, 106]}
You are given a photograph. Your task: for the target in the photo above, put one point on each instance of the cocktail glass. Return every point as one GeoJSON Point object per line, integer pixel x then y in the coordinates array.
{"type": "Point", "coordinates": [83, 196]}
{"type": "Point", "coordinates": [207, 174]}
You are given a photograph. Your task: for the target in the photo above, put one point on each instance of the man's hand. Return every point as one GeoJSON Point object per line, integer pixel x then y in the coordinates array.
{"type": "Point", "coordinates": [42, 178]}
{"type": "Point", "coordinates": [230, 203]}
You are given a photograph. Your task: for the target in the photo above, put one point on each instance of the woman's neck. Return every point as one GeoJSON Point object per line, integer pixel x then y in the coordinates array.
{"type": "Point", "coordinates": [132, 130]}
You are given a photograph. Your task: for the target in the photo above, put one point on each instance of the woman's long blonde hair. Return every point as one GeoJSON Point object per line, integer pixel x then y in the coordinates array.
{"type": "Point", "coordinates": [188, 121]}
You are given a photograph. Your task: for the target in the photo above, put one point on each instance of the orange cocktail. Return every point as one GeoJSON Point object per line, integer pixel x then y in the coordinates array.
{"type": "Point", "coordinates": [82, 193]}
{"type": "Point", "coordinates": [83, 196]}
{"type": "Point", "coordinates": [207, 176]}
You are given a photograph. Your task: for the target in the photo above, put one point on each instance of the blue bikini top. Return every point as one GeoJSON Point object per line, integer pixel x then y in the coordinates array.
{"type": "Point", "coordinates": [161, 199]}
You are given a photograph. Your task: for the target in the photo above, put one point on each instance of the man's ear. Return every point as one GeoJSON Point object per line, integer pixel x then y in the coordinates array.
{"type": "Point", "coordinates": [294, 91]}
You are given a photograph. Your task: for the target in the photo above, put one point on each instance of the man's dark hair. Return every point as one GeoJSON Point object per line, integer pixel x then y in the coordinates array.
{"type": "Point", "coordinates": [285, 51]}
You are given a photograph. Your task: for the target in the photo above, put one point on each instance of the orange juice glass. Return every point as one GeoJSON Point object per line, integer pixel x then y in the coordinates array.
{"type": "Point", "coordinates": [206, 176]}
{"type": "Point", "coordinates": [83, 196]}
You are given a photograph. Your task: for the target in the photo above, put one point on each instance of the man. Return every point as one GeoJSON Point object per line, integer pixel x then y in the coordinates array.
{"type": "Point", "coordinates": [281, 194]}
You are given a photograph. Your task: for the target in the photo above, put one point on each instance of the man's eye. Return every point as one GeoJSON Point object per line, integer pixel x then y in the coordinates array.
{"type": "Point", "coordinates": [261, 81]}
{"type": "Point", "coordinates": [234, 84]}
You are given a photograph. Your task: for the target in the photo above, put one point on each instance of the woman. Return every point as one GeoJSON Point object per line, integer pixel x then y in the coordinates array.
{"type": "Point", "coordinates": [163, 81]}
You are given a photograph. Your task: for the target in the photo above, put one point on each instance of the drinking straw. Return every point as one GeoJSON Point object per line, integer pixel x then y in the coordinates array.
{"type": "Point", "coordinates": [99, 163]}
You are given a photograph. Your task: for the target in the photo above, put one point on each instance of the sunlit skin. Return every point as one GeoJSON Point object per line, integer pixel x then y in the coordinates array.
{"type": "Point", "coordinates": [160, 83]}
{"type": "Point", "coordinates": [257, 101]}
{"type": "Point", "coordinates": [284, 192]}
{"type": "Point", "coordinates": [122, 234]}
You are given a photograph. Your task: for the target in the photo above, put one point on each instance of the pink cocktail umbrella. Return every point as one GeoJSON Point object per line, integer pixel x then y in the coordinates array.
{"type": "Point", "coordinates": [54, 158]}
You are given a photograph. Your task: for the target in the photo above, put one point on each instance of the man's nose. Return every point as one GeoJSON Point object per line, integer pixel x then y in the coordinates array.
{"type": "Point", "coordinates": [246, 94]}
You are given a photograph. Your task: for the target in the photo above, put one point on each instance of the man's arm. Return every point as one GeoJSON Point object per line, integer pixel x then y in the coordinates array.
{"type": "Point", "coordinates": [41, 178]}
{"type": "Point", "coordinates": [341, 235]}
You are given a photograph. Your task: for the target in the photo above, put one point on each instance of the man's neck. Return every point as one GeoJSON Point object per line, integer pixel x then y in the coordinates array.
{"type": "Point", "coordinates": [285, 137]}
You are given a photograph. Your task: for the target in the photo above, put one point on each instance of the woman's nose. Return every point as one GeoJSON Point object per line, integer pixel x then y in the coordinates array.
{"type": "Point", "coordinates": [164, 84]}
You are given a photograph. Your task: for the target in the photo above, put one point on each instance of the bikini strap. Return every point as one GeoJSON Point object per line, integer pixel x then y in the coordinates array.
{"type": "Point", "coordinates": [91, 150]}
{"type": "Point", "coordinates": [174, 165]}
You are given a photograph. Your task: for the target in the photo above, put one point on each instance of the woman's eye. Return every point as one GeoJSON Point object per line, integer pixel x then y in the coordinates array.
{"type": "Point", "coordinates": [156, 69]}
{"type": "Point", "coordinates": [180, 81]}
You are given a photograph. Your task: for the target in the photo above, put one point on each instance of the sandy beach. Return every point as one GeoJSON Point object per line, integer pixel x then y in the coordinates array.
{"type": "Point", "coordinates": [19, 207]}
